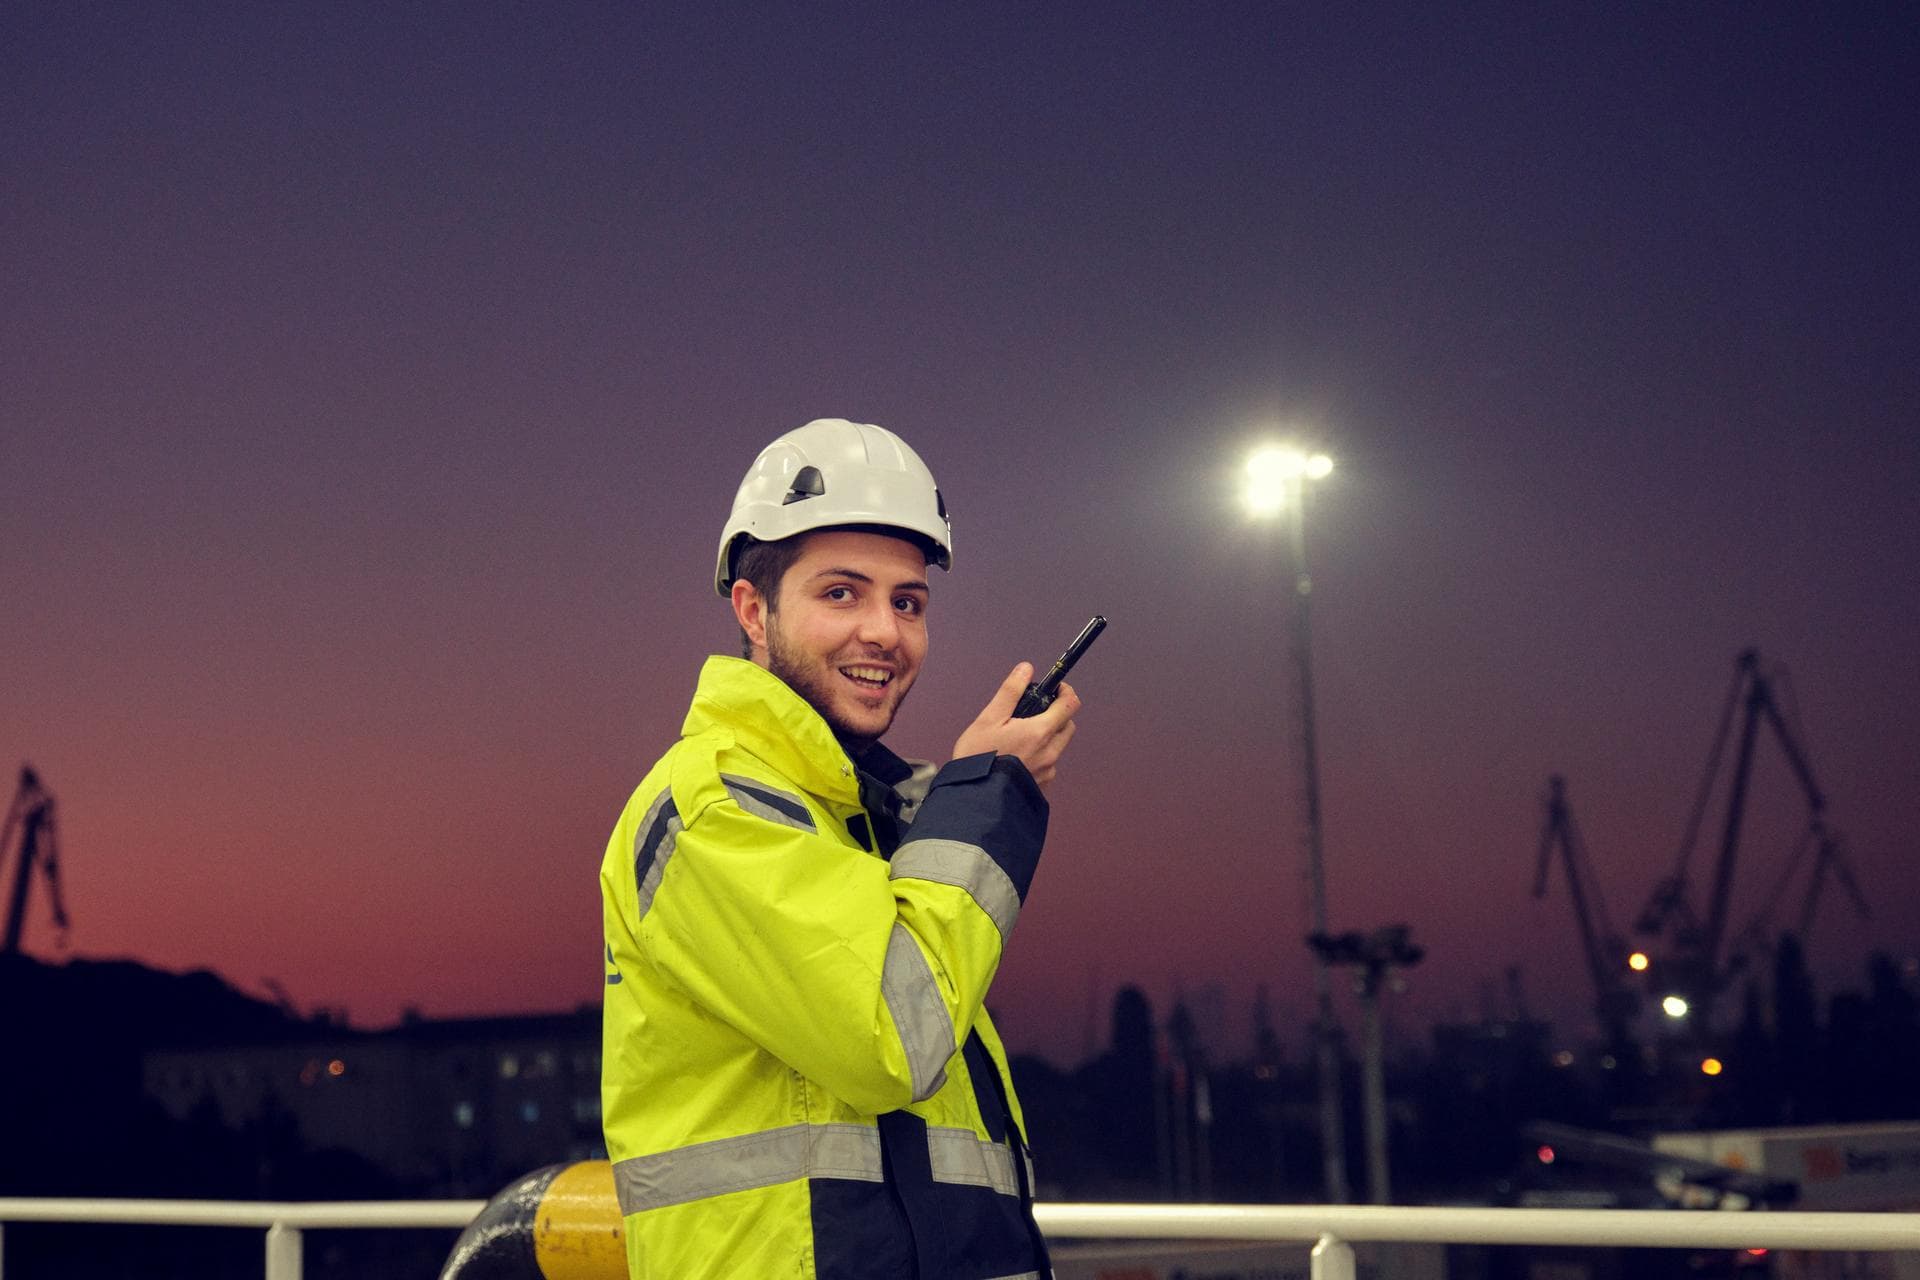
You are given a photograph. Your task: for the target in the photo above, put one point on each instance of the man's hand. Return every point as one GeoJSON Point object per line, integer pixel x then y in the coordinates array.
{"type": "Point", "coordinates": [1038, 741]}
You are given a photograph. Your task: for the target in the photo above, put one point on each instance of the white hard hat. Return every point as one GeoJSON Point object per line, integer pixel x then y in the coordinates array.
{"type": "Point", "coordinates": [833, 472]}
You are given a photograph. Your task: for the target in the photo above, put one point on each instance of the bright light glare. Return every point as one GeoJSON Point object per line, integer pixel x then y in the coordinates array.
{"type": "Point", "coordinates": [1711, 1066]}
{"type": "Point", "coordinates": [1674, 1007]}
{"type": "Point", "coordinates": [1274, 474]}
{"type": "Point", "coordinates": [1638, 962]}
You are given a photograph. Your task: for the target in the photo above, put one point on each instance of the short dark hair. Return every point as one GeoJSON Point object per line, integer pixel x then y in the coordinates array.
{"type": "Point", "coordinates": [763, 564]}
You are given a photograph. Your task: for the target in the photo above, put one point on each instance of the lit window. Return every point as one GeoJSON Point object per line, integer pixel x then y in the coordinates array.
{"type": "Point", "coordinates": [530, 1111]}
{"type": "Point", "coordinates": [509, 1066]}
{"type": "Point", "coordinates": [463, 1114]}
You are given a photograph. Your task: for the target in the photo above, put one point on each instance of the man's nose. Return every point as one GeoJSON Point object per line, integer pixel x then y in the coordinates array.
{"type": "Point", "coordinates": [879, 624]}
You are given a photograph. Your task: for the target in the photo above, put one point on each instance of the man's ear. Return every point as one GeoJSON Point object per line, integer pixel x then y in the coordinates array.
{"type": "Point", "coordinates": [750, 610]}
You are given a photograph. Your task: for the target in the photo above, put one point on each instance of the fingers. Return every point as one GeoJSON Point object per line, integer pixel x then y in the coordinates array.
{"type": "Point", "coordinates": [1057, 727]}
{"type": "Point", "coordinates": [1069, 700]}
{"type": "Point", "coordinates": [1007, 696]}
{"type": "Point", "coordinates": [1036, 741]}
{"type": "Point", "coordinates": [987, 729]}
{"type": "Point", "coordinates": [1064, 707]}
{"type": "Point", "coordinates": [1044, 762]}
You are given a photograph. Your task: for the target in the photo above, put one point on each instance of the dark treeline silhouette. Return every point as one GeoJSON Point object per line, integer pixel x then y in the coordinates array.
{"type": "Point", "coordinates": [77, 1122]}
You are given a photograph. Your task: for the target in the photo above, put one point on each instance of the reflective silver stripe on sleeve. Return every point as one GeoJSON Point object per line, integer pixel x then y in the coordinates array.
{"type": "Point", "coordinates": [965, 866]}
{"type": "Point", "coordinates": [958, 1156]}
{"type": "Point", "coordinates": [655, 859]}
{"type": "Point", "coordinates": [913, 792]}
{"type": "Point", "coordinates": [752, 1160]}
{"type": "Point", "coordinates": [913, 998]}
{"type": "Point", "coordinates": [771, 803]}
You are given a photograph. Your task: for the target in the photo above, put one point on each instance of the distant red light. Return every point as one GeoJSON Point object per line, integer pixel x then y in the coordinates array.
{"type": "Point", "coordinates": [1756, 1253]}
{"type": "Point", "coordinates": [1544, 1155]}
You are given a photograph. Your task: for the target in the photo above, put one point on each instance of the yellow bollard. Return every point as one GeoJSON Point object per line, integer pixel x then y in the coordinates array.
{"type": "Point", "coordinates": [577, 1232]}
{"type": "Point", "coordinates": [557, 1223]}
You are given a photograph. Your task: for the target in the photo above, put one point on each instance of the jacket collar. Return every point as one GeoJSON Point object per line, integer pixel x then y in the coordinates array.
{"type": "Point", "coordinates": [775, 724]}
{"type": "Point", "coordinates": [878, 762]}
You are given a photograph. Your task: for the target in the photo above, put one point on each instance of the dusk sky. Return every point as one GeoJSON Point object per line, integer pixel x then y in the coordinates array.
{"type": "Point", "coordinates": [375, 379]}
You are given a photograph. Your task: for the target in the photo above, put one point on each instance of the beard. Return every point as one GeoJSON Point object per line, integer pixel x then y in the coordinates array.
{"type": "Point", "coordinates": [817, 681]}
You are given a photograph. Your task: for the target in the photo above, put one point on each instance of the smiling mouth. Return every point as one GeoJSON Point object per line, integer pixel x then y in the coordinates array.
{"type": "Point", "coordinates": [873, 679]}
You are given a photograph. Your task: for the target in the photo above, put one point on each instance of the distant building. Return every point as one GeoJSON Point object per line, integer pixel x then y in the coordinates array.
{"type": "Point", "coordinates": [454, 1107]}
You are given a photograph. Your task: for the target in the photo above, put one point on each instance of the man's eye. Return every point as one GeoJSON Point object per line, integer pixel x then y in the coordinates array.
{"type": "Point", "coordinates": [839, 593]}
{"type": "Point", "coordinates": [907, 604]}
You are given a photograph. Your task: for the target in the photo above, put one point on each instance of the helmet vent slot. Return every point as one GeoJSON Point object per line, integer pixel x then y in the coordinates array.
{"type": "Point", "coordinates": [807, 483]}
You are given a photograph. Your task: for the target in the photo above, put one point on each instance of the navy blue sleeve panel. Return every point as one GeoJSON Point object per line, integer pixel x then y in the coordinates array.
{"type": "Point", "coordinates": [986, 1090]}
{"type": "Point", "coordinates": [993, 803]}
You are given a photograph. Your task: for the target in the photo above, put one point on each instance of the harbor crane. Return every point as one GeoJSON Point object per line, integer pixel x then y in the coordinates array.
{"type": "Point", "coordinates": [32, 815]}
{"type": "Point", "coordinates": [1695, 970]}
{"type": "Point", "coordinates": [1615, 1003]}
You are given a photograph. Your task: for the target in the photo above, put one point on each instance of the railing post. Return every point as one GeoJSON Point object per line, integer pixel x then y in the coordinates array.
{"type": "Point", "coordinates": [1332, 1259]}
{"type": "Point", "coordinates": [283, 1252]}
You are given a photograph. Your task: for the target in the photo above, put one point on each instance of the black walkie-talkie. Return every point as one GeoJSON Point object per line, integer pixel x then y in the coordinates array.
{"type": "Point", "coordinates": [1041, 693]}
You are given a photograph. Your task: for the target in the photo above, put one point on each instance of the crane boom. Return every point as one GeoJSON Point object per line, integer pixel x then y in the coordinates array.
{"type": "Point", "coordinates": [1761, 708]}
{"type": "Point", "coordinates": [32, 814]}
{"type": "Point", "coordinates": [1698, 946]}
{"type": "Point", "coordinates": [1614, 1004]}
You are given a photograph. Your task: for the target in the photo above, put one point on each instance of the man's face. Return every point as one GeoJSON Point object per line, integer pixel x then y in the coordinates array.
{"type": "Point", "coordinates": [850, 631]}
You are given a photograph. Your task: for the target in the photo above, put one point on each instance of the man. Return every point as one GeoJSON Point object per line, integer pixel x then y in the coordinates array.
{"type": "Point", "coordinates": [800, 1076]}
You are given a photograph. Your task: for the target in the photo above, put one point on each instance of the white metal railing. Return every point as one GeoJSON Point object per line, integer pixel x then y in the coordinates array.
{"type": "Point", "coordinates": [1331, 1227]}
{"type": "Point", "coordinates": [282, 1221]}
{"type": "Point", "coordinates": [1335, 1227]}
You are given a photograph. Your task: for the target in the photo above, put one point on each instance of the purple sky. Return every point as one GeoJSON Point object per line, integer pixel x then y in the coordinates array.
{"type": "Point", "coordinates": [374, 379]}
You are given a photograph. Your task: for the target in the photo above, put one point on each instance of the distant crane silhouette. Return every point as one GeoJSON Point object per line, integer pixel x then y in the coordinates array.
{"type": "Point", "coordinates": [1696, 968]}
{"type": "Point", "coordinates": [1615, 1004]}
{"type": "Point", "coordinates": [32, 815]}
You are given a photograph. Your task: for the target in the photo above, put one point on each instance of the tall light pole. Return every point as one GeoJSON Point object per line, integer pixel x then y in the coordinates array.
{"type": "Point", "coordinates": [1277, 485]}
{"type": "Point", "coordinates": [1376, 955]}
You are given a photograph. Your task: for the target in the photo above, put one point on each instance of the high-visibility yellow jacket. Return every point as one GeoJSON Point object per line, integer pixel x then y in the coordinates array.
{"type": "Point", "coordinates": [800, 1078]}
